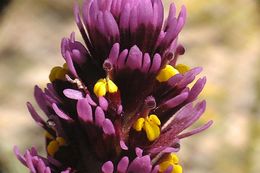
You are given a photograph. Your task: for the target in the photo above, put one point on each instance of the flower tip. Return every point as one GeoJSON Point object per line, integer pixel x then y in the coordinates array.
{"type": "Point", "coordinates": [150, 102]}
{"type": "Point", "coordinates": [107, 65]}
{"type": "Point", "coordinates": [108, 167]}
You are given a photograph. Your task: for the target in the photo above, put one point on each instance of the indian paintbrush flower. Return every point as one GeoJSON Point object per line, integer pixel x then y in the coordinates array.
{"type": "Point", "coordinates": [121, 102]}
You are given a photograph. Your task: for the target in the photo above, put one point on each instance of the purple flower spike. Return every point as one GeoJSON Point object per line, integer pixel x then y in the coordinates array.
{"type": "Point", "coordinates": [120, 103]}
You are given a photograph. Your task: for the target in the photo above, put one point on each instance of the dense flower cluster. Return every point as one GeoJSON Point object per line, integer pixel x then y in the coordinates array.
{"type": "Point", "coordinates": [120, 103]}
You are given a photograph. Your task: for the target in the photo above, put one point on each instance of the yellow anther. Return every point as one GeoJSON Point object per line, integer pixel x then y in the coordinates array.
{"type": "Point", "coordinates": [139, 124]}
{"type": "Point", "coordinates": [65, 66]}
{"type": "Point", "coordinates": [48, 135]}
{"type": "Point", "coordinates": [170, 160]}
{"type": "Point", "coordinates": [166, 73]}
{"type": "Point", "coordinates": [58, 73]}
{"type": "Point", "coordinates": [182, 68]}
{"type": "Point", "coordinates": [111, 86]}
{"type": "Point", "coordinates": [61, 141]}
{"type": "Point", "coordinates": [103, 86]}
{"type": "Point", "coordinates": [150, 125]}
{"type": "Point", "coordinates": [54, 145]}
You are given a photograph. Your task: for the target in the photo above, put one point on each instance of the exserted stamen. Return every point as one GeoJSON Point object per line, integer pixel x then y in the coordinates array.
{"type": "Point", "coordinates": [150, 125]}
{"type": "Point", "coordinates": [150, 102]}
{"type": "Point", "coordinates": [54, 145]}
{"type": "Point", "coordinates": [180, 50]}
{"type": "Point", "coordinates": [104, 86]}
{"type": "Point", "coordinates": [107, 65]}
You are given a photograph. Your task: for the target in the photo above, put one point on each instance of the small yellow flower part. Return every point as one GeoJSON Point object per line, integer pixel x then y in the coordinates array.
{"type": "Point", "coordinates": [166, 73]}
{"type": "Point", "coordinates": [65, 66]}
{"type": "Point", "coordinates": [111, 86]}
{"type": "Point", "coordinates": [58, 73]}
{"type": "Point", "coordinates": [61, 141]}
{"type": "Point", "coordinates": [170, 160]}
{"type": "Point", "coordinates": [48, 135]}
{"type": "Point", "coordinates": [182, 68]}
{"type": "Point", "coordinates": [150, 125]}
{"type": "Point", "coordinates": [103, 86]}
{"type": "Point", "coordinates": [139, 124]}
{"type": "Point", "coordinates": [54, 145]}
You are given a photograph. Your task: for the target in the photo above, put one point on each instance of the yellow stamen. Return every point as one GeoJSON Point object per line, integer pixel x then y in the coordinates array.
{"type": "Point", "coordinates": [103, 86]}
{"type": "Point", "coordinates": [54, 145]}
{"type": "Point", "coordinates": [48, 135]}
{"type": "Point", "coordinates": [138, 125]}
{"type": "Point", "coordinates": [182, 68]}
{"type": "Point", "coordinates": [150, 125]}
{"type": "Point", "coordinates": [58, 73]}
{"type": "Point", "coordinates": [166, 73]}
{"type": "Point", "coordinates": [65, 66]}
{"type": "Point", "coordinates": [170, 160]}
{"type": "Point", "coordinates": [61, 141]}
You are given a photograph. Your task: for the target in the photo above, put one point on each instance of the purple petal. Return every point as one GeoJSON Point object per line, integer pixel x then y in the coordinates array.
{"type": "Point", "coordinates": [80, 25]}
{"type": "Point", "coordinates": [60, 113]}
{"type": "Point", "coordinates": [195, 131]}
{"type": "Point", "coordinates": [169, 169]}
{"type": "Point", "coordinates": [196, 89]}
{"type": "Point", "coordinates": [70, 64]}
{"type": "Point", "coordinates": [146, 63]}
{"type": "Point", "coordinates": [47, 170]}
{"type": "Point", "coordinates": [108, 127]}
{"type": "Point", "coordinates": [19, 156]}
{"type": "Point", "coordinates": [145, 14]}
{"type": "Point", "coordinates": [156, 63]}
{"type": "Point", "coordinates": [84, 110]}
{"type": "Point", "coordinates": [111, 25]}
{"type": "Point", "coordinates": [114, 53]}
{"type": "Point", "coordinates": [40, 166]}
{"type": "Point", "coordinates": [156, 169]}
{"type": "Point", "coordinates": [90, 101]}
{"type": "Point", "coordinates": [99, 116]}
{"type": "Point", "coordinates": [73, 94]}
{"type": "Point", "coordinates": [121, 59]}
{"type": "Point", "coordinates": [40, 99]}
{"type": "Point", "coordinates": [171, 15]}
{"type": "Point", "coordinates": [185, 118]}
{"type": "Point", "coordinates": [140, 165]}
{"type": "Point", "coordinates": [103, 103]}
{"type": "Point", "coordinates": [123, 165]}
{"type": "Point", "coordinates": [123, 145]}
{"type": "Point", "coordinates": [176, 100]}
{"type": "Point", "coordinates": [189, 77]}
{"type": "Point", "coordinates": [134, 59]}
{"type": "Point", "coordinates": [173, 81]}
{"type": "Point", "coordinates": [158, 13]}
{"type": "Point", "coordinates": [164, 149]}
{"type": "Point", "coordinates": [138, 152]}
{"type": "Point", "coordinates": [108, 167]}
{"type": "Point", "coordinates": [29, 163]}
{"type": "Point", "coordinates": [133, 21]}
{"type": "Point", "coordinates": [36, 116]}
{"type": "Point", "coordinates": [125, 17]}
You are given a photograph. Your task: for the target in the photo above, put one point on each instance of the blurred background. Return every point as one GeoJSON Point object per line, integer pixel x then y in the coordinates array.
{"type": "Point", "coordinates": [222, 36]}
